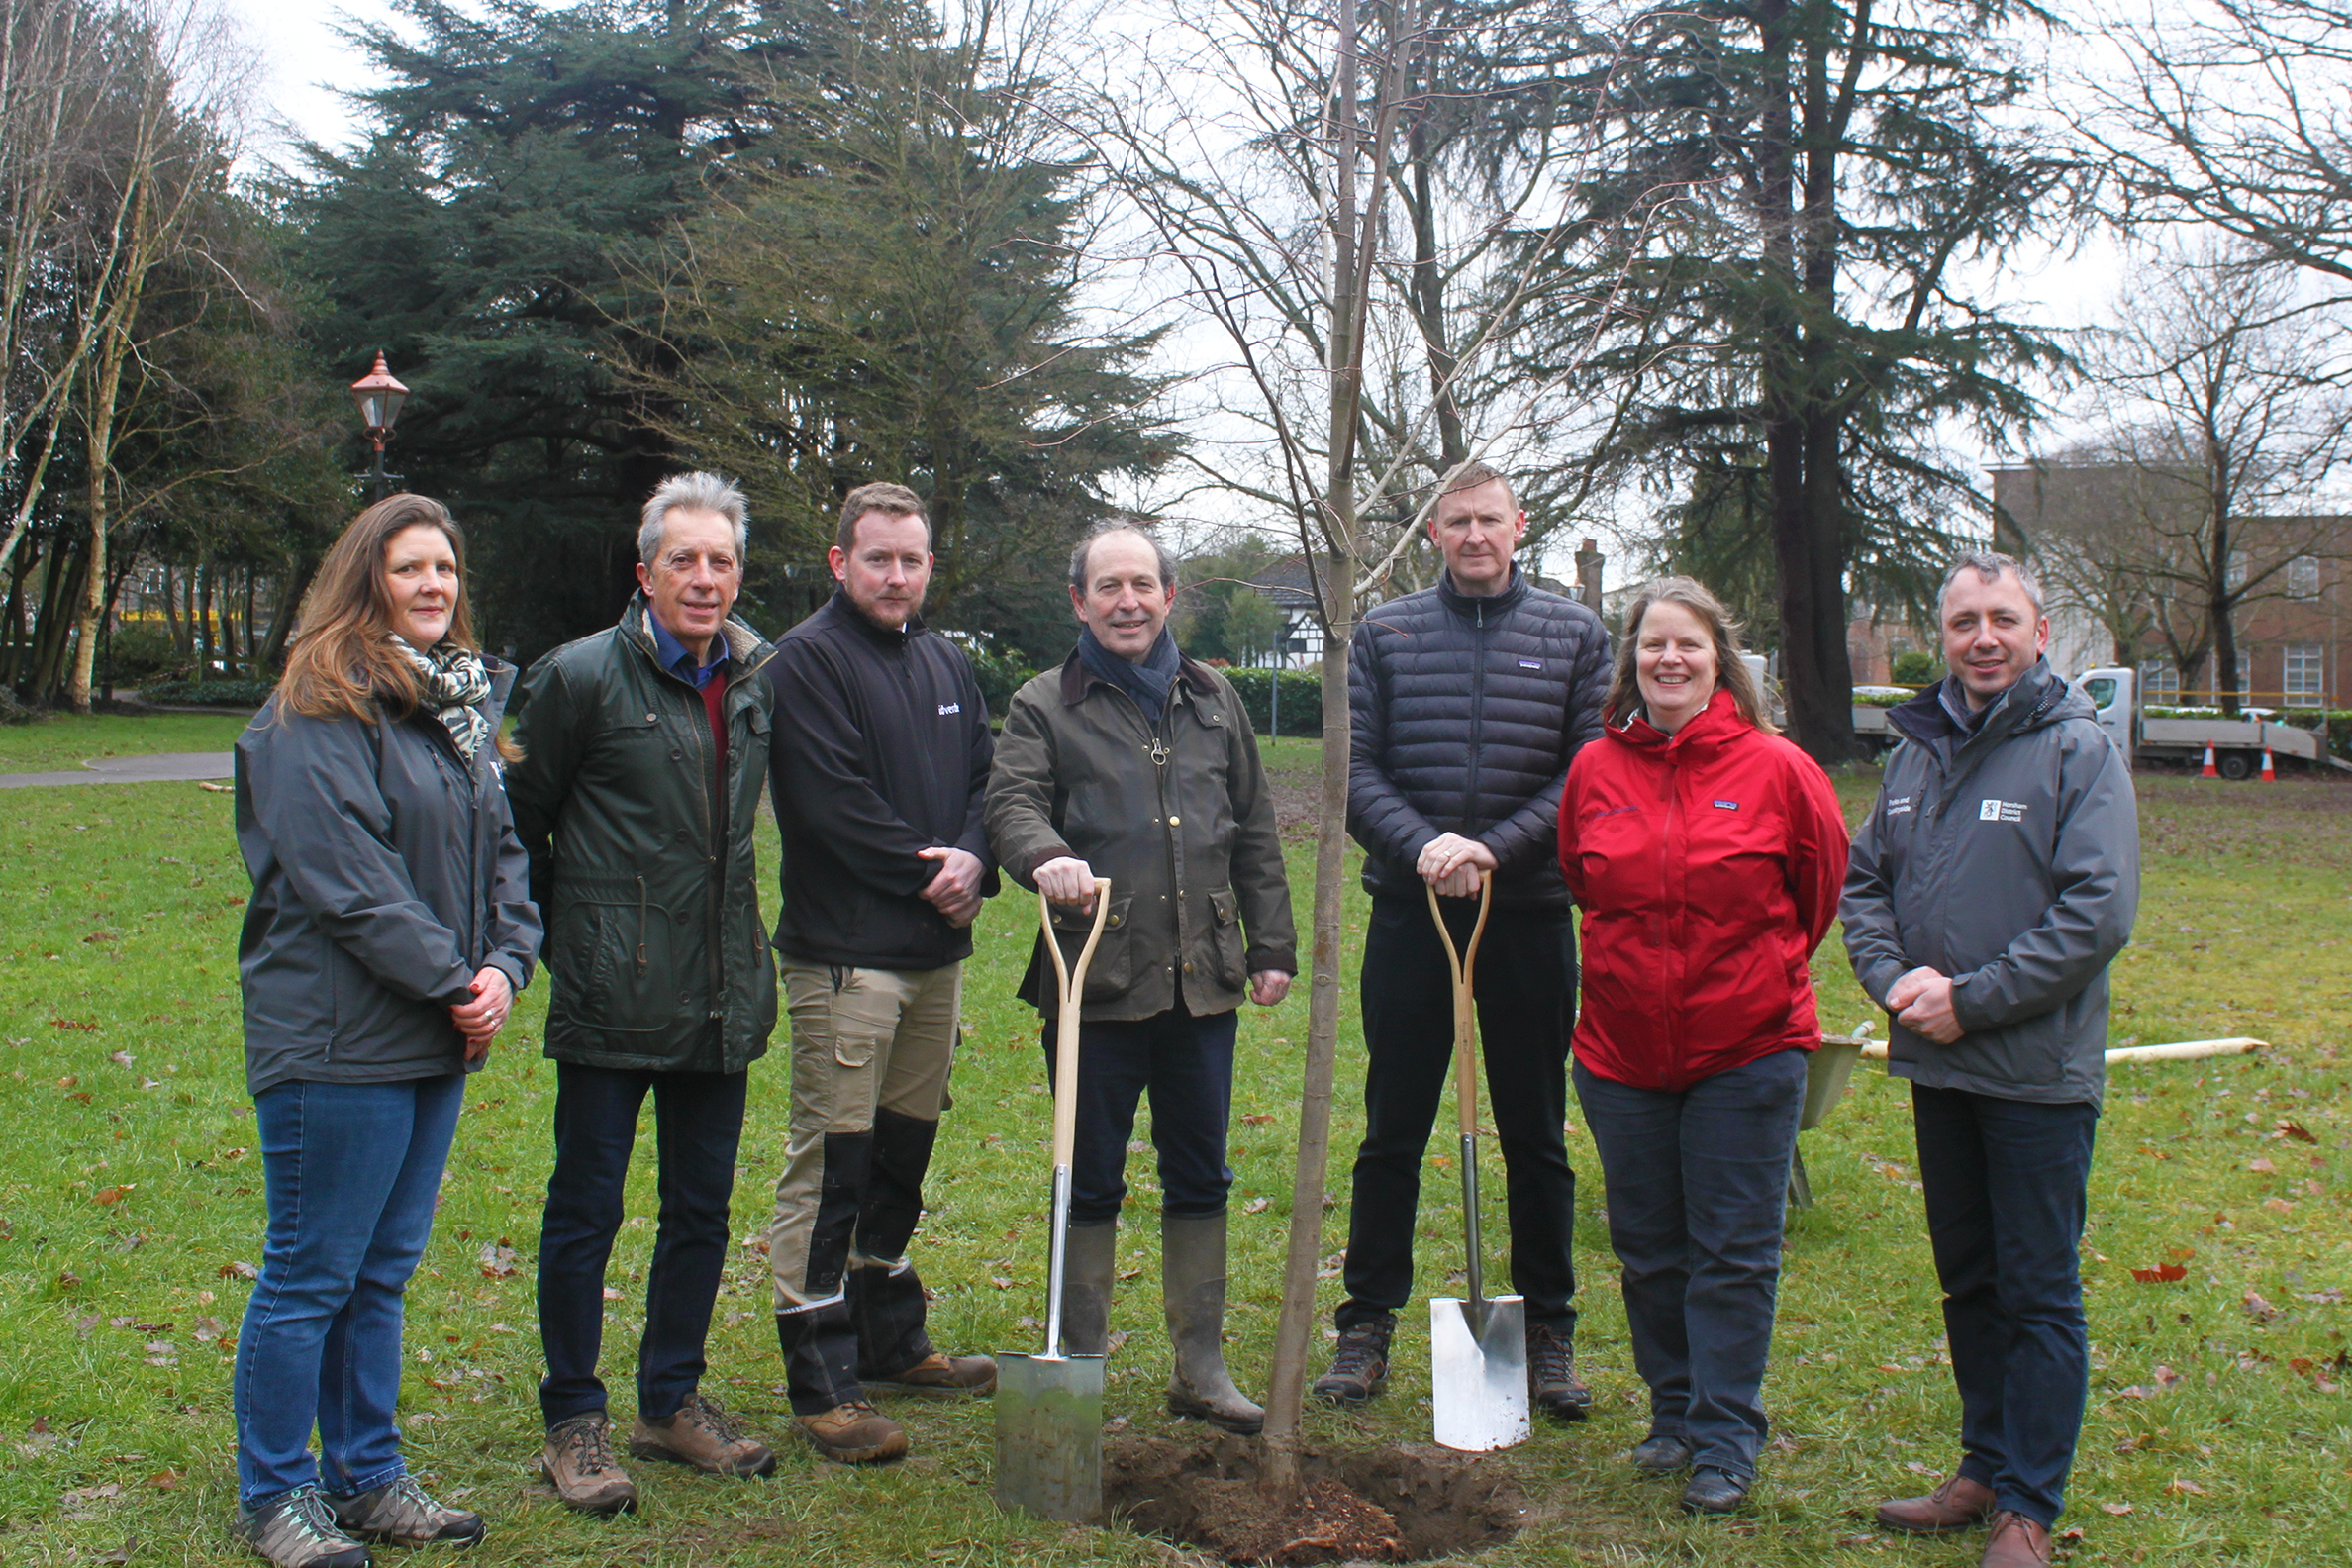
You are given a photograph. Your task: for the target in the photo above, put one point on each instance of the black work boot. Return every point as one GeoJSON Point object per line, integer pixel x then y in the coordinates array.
{"type": "Point", "coordinates": [1193, 1292]}
{"type": "Point", "coordinates": [1360, 1367]}
{"type": "Point", "coordinates": [1552, 1384]}
{"type": "Point", "coordinates": [1088, 1255]}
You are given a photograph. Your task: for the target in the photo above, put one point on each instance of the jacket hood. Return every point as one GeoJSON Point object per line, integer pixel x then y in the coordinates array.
{"type": "Point", "coordinates": [1705, 732]}
{"type": "Point", "coordinates": [2039, 699]}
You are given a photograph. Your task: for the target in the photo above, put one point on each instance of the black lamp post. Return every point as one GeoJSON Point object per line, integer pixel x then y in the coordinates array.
{"type": "Point", "coordinates": [379, 397]}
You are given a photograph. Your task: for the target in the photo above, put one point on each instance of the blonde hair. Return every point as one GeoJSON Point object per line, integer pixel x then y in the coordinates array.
{"type": "Point", "coordinates": [1731, 672]}
{"type": "Point", "coordinates": [343, 665]}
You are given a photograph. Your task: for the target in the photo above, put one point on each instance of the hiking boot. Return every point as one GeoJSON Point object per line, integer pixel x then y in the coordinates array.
{"type": "Point", "coordinates": [1955, 1506]}
{"type": "Point", "coordinates": [1662, 1454]}
{"type": "Point", "coordinates": [938, 1376]}
{"type": "Point", "coordinates": [1552, 1384]}
{"type": "Point", "coordinates": [578, 1463]}
{"type": "Point", "coordinates": [298, 1530]}
{"type": "Point", "coordinates": [2016, 1542]}
{"type": "Point", "coordinates": [702, 1436]}
{"type": "Point", "coordinates": [1360, 1367]}
{"type": "Point", "coordinates": [1193, 1295]}
{"type": "Point", "coordinates": [854, 1434]}
{"type": "Point", "coordinates": [401, 1513]}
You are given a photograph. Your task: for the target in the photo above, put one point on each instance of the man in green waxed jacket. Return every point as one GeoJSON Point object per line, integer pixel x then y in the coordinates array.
{"type": "Point", "coordinates": [1132, 763]}
{"type": "Point", "coordinates": [644, 750]}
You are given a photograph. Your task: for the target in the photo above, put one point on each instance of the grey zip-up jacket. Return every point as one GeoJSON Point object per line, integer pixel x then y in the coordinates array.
{"type": "Point", "coordinates": [2007, 859]}
{"type": "Point", "coordinates": [386, 874]}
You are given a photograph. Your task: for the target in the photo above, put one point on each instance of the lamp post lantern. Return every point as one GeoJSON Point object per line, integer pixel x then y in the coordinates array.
{"type": "Point", "coordinates": [379, 396]}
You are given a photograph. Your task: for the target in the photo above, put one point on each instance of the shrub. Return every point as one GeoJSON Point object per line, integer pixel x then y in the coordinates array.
{"type": "Point", "coordinates": [1301, 699]}
{"type": "Point", "coordinates": [2337, 722]}
{"type": "Point", "coordinates": [144, 653]}
{"type": "Point", "coordinates": [1916, 668]}
{"type": "Point", "coordinates": [208, 694]}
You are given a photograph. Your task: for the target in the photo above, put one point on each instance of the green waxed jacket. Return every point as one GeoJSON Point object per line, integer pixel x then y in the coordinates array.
{"type": "Point", "coordinates": [654, 941]}
{"type": "Point", "coordinates": [1180, 820]}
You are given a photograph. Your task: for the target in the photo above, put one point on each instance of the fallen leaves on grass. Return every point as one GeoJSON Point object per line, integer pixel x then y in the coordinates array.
{"type": "Point", "coordinates": [2161, 1274]}
{"type": "Point", "coordinates": [110, 1195]}
{"type": "Point", "coordinates": [2178, 1487]}
{"type": "Point", "coordinates": [2116, 1509]}
{"type": "Point", "coordinates": [2296, 1131]}
{"type": "Point", "coordinates": [2258, 1309]}
{"type": "Point", "coordinates": [1259, 1119]}
{"type": "Point", "coordinates": [497, 1260]}
{"type": "Point", "coordinates": [1257, 1205]}
{"type": "Point", "coordinates": [237, 1268]}
{"type": "Point", "coordinates": [2262, 1167]}
{"type": "Point", "coordinates": [73, 1023]}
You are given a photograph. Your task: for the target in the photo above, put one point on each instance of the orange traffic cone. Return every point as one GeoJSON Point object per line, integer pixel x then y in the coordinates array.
{"type": "Point", "coordinates": [2269, 774]}
{"type": "Point", "coordinates": [2209, 770]}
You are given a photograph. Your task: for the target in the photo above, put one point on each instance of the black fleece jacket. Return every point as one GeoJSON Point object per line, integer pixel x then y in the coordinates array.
{"type": "Point", "coordinates": [880, 750]}
{"type": "Point", "coordinates": [1467, 713]}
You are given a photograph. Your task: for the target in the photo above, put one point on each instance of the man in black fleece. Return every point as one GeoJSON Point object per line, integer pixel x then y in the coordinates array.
{"type": "Point", "coordinates": [879, 760]}
{"type": "Point", "coordinates": [1469, 699]}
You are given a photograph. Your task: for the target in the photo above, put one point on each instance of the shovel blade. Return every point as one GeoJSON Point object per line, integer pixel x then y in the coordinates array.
{"type": "Point", "coordinates": [1049, 1436]}
{"type": "Point", "coordinates": [1478, 1382]}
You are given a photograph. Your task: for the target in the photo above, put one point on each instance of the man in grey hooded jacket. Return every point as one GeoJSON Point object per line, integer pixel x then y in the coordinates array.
{"type": "Point", "coordinates": [1991, 884]}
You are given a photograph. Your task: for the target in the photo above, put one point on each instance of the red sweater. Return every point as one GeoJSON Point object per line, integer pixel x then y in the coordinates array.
{"type": "Point", "coordinates": [1708, 866]}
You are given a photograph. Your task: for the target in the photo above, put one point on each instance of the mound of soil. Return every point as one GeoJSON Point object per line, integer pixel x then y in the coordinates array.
{"type": "Point", "coordinates": [1405, 1503]}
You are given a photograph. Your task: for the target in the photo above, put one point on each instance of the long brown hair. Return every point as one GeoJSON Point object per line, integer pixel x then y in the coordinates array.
{"type": "Point", "coordinates": [1731, 671]}
{"type": "Point", "coordinates": [345, 664]}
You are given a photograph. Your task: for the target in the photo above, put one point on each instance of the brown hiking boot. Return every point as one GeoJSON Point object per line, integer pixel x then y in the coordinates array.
{"type": "Point", "coordinates": [2017, 1543]}
{"type": "Point", "coordinates": [702, 1436]}
{"type": "Point", "coordinates": [579, 1462]}
{"type": "Point", "coordinates": [938, 1376]}
{"type": "Point", "coordinates": [1955, 1506]}
{"type": "Point", "coordinates": [855, 1434]}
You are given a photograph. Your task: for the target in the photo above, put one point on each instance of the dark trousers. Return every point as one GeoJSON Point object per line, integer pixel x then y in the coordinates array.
{"type": "Point", "coordinates": [1186, 1064]}
{"type": "Point", "coordinates": [698, 1120]}
{"type": "Point", "coordinates": [1697, 1186]}
{"type": "Point", "coordinates": [2006, 1189]}
{"type": "Point", "coordinates": [1525, 985]}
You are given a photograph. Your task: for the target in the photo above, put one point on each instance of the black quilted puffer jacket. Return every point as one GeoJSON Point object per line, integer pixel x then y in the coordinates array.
{"type": "Point", "coordinates": [1467, 714]}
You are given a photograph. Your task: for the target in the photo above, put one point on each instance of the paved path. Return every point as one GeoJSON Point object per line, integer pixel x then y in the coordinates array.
{"type": "Point", "coordinates": [161, 768]}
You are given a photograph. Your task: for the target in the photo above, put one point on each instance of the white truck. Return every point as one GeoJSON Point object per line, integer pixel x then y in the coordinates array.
{"type": "Point", "coordinates": [2237, 744]}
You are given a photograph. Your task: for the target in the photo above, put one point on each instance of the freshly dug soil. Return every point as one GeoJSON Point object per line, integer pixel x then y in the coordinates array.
{"type": "Point", "coordinates": [1405, 1503]}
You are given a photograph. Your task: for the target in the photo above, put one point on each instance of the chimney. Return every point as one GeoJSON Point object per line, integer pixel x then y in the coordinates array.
{"type": "Point", "coordinates": [1588, 576]}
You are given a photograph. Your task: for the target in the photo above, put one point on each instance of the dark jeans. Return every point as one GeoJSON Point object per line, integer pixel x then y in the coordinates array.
{"type": "Point", "coordinates": [1186, 1064]}
{"type": "Point", "coordinates": [1696, 1184]}
{"type": "Point", "coordinates": [2005, 1187]}
{"type": "Point", "coordinates": [351, 1172]}
{"type": "Point", "coordinates": [698, 1120]}
{"type": "Point", "coordinates": [1525, 985]}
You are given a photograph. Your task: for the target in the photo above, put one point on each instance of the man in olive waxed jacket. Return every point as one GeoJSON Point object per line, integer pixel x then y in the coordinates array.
{"type": "Point", "coordinates": [1132, 763]}
{"type": "Point", "coordinates": [645, 749]}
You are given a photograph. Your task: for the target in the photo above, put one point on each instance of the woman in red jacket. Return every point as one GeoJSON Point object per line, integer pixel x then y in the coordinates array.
{"type": "Point", "coordinates": [1705, 854]}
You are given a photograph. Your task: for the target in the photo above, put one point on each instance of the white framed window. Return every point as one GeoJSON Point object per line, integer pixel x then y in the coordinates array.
{"type": "Point", "coordinates": [2303, 579]}
{"type": "Point", "coordinates": [2160, 683]}
{"type": "Point", "coordinates": [2306, 675]}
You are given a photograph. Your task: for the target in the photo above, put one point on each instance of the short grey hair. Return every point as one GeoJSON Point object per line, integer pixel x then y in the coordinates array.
{"type": "Point", "coordinates": [1167, 562]}
{"type": "Point", "coordinates": [1989, 566]}
{"type": "Point", "coordinates": [693, 492]}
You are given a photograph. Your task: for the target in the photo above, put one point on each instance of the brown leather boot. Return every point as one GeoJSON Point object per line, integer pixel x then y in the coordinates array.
{"type": "Point", "coordinates": [705, 1437]}
{"type": "Point", "coordinates": [578, 1463]}
{"type": "Point", "coordinates": [1957, 1505]}
{"type": "Point", "coordinates": [2017, 1543]}
{"type": "Point", "coordinates": [855, 1434]}
{"type": "Point", "coordinates": [940, 1376]}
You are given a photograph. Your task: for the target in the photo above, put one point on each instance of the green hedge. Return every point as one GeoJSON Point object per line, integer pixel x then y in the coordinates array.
{"type": "Point", "coordinates": [2336, 721]}
{"type": "Point", "coordinates": [1301, 699]}
{"type": "Point", "coordinates": [208, 694]}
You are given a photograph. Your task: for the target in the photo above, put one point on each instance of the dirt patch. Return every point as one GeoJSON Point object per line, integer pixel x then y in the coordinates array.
{"type": "Point", "coordinates": [1405, 1503]}
{"type": "Point", "coordinates": [1296, 794]}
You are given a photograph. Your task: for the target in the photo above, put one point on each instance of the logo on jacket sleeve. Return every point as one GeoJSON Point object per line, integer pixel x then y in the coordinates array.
{"type": "Point", "coordinates": [1531, 664]}
{"type": "Point", "coordinates": [1726, 805]}
{"type": "Point", "coordinates": [951, 707]}
{"type": "Point", "coordinates": [2001, 810]}
{"type": "Point", "coordinates": [1897, 804]}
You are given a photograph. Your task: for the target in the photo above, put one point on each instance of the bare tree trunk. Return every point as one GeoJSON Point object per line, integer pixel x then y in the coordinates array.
{"type": "Point", "coordinates": [204, 621]}
{"type": "Point", "coordinates": [292, 585]}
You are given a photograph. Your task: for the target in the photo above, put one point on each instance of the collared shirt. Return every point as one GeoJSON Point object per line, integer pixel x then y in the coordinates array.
{"type": "Point", "coordinates": [1955, 705]}
{"type": "Point", "coordinates": [679, 660]}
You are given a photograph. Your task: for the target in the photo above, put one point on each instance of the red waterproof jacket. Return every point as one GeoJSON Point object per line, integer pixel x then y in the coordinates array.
{"type": "Point", "coordinates": [1708, 866]}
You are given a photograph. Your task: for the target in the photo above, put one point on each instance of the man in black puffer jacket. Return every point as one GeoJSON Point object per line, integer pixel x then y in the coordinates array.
{"type": "Point", "coordinates": [1469, 701]}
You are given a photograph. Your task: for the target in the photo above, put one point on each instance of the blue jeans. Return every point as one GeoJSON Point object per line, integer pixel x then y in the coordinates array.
{"type": "Point", "coordinates": [352, 1171]}
{"type": "Point", "coordinates": [1697, 1187]}
{"type": "Point", "coordinates": [1187, 1065]}
{"type": "Point", "coordinates": [2005, 1185]}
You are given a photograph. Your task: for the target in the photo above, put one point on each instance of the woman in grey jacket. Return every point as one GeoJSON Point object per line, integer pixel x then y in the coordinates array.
{"type": "Point", "coordinates": [389, 929]}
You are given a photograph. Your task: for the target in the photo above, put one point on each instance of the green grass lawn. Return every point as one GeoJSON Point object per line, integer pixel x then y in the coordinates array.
{"type": "Point", "coordinates": [65, 740]}
{"type": "Point", "coordinates": [2219, 1430]}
